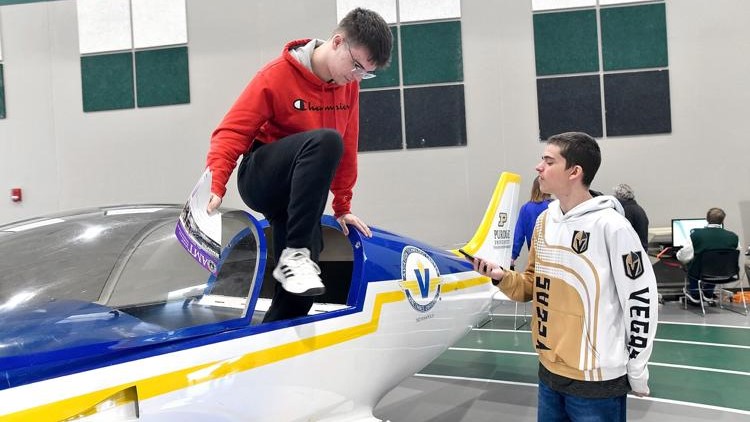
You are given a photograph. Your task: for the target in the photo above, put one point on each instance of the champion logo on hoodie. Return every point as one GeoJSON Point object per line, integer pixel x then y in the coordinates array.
{"type": "Point", "coordinates": [303, 105]}
{"type": "Point", "coordinates": [299, 104]}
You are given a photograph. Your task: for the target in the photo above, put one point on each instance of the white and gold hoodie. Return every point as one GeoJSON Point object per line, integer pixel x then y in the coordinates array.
{"type": "Point", "coordinates": [593, 291]}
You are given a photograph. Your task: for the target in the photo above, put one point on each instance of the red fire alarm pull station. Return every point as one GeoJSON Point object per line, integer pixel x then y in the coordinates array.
{"type": "Point", "coordinates": [15, 195]}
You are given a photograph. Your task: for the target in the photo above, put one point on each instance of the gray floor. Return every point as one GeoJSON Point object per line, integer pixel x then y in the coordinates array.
{"type": "Point", "coordinates": [432, 399]}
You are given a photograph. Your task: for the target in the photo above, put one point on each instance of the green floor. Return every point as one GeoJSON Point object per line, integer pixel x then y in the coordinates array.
{"type": "Point", "coordinates": [691, 363]}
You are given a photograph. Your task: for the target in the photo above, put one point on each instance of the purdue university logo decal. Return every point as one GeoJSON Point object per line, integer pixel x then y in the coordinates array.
{"type": "Point", "coordinates": [580, 241]}
{"type": "Point", "coordinates": [633, 264]}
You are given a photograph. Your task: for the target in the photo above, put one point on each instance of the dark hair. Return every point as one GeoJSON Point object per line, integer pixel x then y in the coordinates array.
{"type": "Point", "coordinates": [579, 149]}
{"type": "Point", "coordinates": [363, 27]}
{"type": "Point", "coordinates": [715, 216]}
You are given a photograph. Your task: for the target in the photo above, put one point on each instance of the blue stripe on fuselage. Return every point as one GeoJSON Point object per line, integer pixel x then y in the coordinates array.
{"type": "Point", "coordinates": [376, 259]}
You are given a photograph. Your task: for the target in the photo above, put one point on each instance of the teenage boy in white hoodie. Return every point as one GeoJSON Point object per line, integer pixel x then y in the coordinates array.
{"type": "Point", "coordinates": [593, 290]}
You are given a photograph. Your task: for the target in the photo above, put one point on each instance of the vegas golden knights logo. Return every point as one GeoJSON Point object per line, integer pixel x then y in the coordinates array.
{"type": "Point", "coordinates": [633, 264]}
{"type": "Point", "coordinates": [580, 241]}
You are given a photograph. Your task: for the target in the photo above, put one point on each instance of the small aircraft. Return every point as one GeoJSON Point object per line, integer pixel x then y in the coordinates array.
{"type": "Point", "coordinates": [105, 316]}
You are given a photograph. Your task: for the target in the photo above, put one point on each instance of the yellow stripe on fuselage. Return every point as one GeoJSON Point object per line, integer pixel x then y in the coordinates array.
{"type": "Point", "coordinates": [414, 286]}
{"type": "Point", "coordinates": [464, 284]}
{"type": "Point", "coordinates": [177, 380]}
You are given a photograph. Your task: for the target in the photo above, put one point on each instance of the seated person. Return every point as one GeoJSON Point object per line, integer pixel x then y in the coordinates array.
{"type": "Point", "coordinates": [713, 236]}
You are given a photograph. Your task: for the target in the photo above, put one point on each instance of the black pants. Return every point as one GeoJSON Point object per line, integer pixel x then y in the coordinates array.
{"type": "Point", "coordinates": [708, 288]}
{"type": "Point", "coordinates": [288, 182]}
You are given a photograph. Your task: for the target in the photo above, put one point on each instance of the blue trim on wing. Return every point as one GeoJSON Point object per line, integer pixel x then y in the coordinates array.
{"type": "Point", "coordinates": [374, 259]}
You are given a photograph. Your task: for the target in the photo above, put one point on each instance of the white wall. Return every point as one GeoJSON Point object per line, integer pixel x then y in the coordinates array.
{"type": "Point", "coordinates": [28, 146]}
{"type": "Point", "coordinates": [64, 158]}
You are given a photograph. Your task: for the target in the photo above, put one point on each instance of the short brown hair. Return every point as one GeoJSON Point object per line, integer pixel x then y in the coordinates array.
{"type": "Point", "coordinates": [363, 27]}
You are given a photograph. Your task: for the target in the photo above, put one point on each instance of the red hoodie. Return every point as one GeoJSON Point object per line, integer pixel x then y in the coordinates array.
{"type": "Point", "coordinates": [285, 98]}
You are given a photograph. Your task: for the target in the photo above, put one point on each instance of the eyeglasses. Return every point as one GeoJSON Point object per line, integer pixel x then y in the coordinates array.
{"type": "Point", "coordinates": [359, 70]}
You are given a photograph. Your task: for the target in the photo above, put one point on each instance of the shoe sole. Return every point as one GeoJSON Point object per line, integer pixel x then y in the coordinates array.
{"type": "Point", "coordinates": [313, 291]}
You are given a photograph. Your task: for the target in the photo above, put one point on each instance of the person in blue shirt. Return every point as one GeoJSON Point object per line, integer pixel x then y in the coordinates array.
{"type": "Point", "coordinates": [527, 218]}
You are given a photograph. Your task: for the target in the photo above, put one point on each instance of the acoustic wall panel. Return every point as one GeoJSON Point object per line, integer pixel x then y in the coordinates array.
{"type": "Point", "coordinates": [540, 5]}
{"type": "Point", "coordinates": [162, 77]}
{"type": "Point", "coordinates": [566, 42]}
{"type": "Point", "coordinates": [380, 120]}
{"type": "Point", "coordinates": [634, 37]}
{"type": "Point", "coordinates": [432, 53]}
{"type": "Point", "coordinates": [637, 103]}
{"type": "Point", "coordinates": [385, 8]}
{"type": "Point", "coordinates": [159, 23]}
{"type": "Point", "coordinates": [435, 116]}
{"type": "Point", "coordinates": [103, 25]}
{"type": "Point", "coordinates": [610, 2]}
{"type": "Point", "coordinates": [107, 82]}
{"type": "Point", "coordinates": [423, 10]}
{"type": "Point", "coordinates": [569, 104]}
{"type": "Point", "coordinates": [427, 51]}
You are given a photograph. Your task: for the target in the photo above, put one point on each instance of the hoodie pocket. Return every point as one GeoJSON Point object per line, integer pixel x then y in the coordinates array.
{"type": "Point", "coordinates": [558, 336]}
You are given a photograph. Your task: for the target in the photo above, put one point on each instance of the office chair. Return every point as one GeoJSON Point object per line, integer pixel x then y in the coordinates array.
{"type": "Point", "coordinates": [718, 267]}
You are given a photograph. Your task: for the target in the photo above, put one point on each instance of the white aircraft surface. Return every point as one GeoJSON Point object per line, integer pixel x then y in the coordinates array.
{"type": "Point", "coordinates": [105, 317]}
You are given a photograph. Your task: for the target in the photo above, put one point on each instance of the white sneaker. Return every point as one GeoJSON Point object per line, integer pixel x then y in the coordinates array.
{"type": "Point", "coordinates": [298, 274]}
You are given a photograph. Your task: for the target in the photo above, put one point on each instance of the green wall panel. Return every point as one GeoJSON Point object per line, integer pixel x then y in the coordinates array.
{"type": "Point", "coordinates": [634, 37]}
{"type": "Point", "coordinates": [432, 53]}
{"type": "Point", "coordinates": [162, 77]}
{"type": "Point", "coordinates": [107, 82]}
{"type": "Point", "coordinates": [566, 42]}
{"type": "Point", "coordinates": [2, 93]}
{"type": "Point", "coordinates": [387, 77]}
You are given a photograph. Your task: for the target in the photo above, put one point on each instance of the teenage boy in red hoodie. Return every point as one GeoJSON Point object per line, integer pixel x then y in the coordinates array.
{"type": "Point", "coordinates": [296, 125]}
